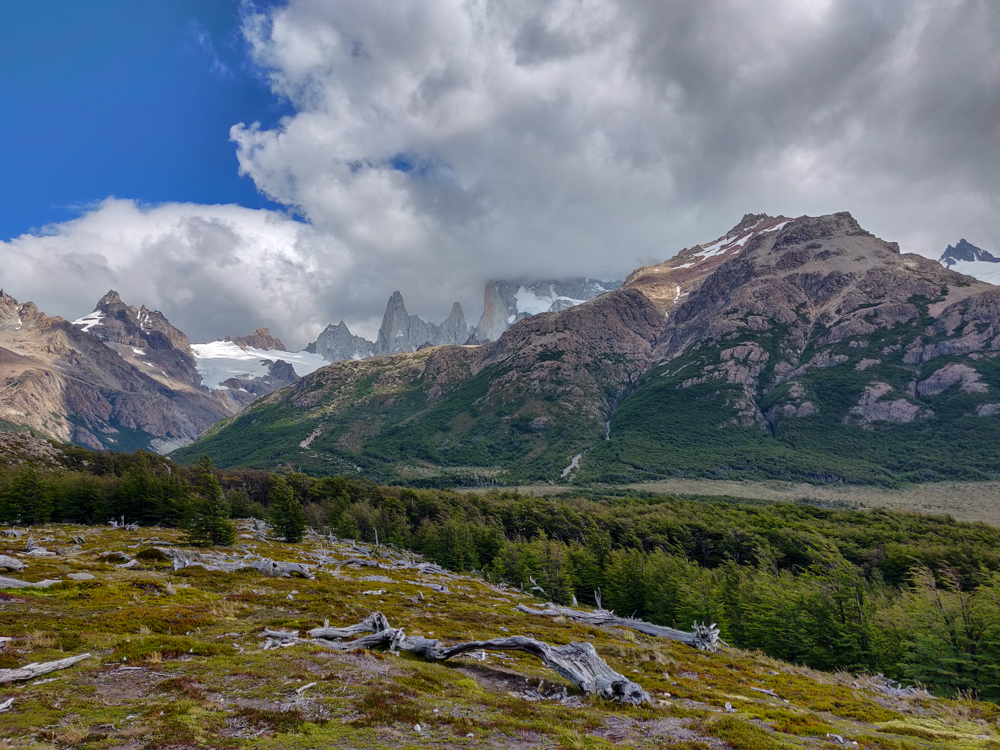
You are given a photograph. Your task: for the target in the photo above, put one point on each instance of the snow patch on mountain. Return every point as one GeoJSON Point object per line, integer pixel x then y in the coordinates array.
{"type": "Point", "coordinates": [89, 320]}
{"type": "Point", "coordinates": [980, 269]}
{"type": "Point", "coordinates": [219, 361]}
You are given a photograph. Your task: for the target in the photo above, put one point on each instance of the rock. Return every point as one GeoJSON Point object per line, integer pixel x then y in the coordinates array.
{"type": "Point", "coordinates": [81, 577]}
{"type": "Point", "coordinates": [871, 409]}
{"type": "Point", "coordinates": [336, 343]}
{"type": "Point", "coordinates": [259, 339]}
{"type": "Point", "coordinates": [949, 375]}
{"type": "Point", "coordinates": [402, 332]}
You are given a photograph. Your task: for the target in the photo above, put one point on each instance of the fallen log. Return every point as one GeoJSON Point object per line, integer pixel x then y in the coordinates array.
{"type": "Point", "coordinates": [31, 671]}
{"type": "Point", "coordinates": [701, 637]}
{"type": "Point", "coordinates": [220, 564]}
{"type": "Point", "coordinates": [13, 583]}
{"type": "Point", "coordinates": [10, 563]}
{"type": "Point", "coordinates": [577, 662]}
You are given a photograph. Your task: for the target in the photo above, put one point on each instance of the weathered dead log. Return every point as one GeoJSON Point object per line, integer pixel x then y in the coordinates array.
{"type": "Point", "coordinates": [701, 637]}
{"type": "Point", "coordinates": [577, 662]}
{"type": "Point", "coordinates": [10, 563]}
{"type": "Point", "coordinates": [31, 671]}
{"type": "Point", "coordinates": [432, 586]}
{"type": "Point", "coordinates": [220, 564]}
{"type": "Point", "coordinates": [13, 583]}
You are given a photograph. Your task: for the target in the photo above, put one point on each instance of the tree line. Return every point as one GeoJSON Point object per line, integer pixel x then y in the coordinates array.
{"type": "Point", "coordinates": [916, 598]}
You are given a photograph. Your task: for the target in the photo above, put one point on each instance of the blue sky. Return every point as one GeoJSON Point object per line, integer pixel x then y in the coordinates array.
{"type": "Point", "coordinates": [123, 98]}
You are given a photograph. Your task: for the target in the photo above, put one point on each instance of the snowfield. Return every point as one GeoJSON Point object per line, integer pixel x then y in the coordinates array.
{"type": "Point", "coordinates": [979, 269]}
{"type": "Point", "coordinates": [220, 360]}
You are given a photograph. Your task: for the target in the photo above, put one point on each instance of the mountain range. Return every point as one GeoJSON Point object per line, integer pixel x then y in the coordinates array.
{"type": "Point", "coordinates": [790, 348]}
{"type": "Point", "coordinates": [799, 348]}
{"type": "Point", "coordinates": [123, 378]}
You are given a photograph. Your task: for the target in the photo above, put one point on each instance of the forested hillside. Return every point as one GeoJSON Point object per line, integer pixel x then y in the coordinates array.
{"type": "Point", "coordinates": [917, 598]}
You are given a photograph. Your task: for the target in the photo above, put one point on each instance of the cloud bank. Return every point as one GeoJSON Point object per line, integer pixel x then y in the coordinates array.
{"type": "Point", "coordinates": [438, 144]}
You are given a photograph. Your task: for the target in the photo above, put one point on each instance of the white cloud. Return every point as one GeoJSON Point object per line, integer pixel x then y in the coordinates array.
{"type": "Point", "coordinates": [213, 270]}
{"type": "Point", "coordinates": [437, 144]}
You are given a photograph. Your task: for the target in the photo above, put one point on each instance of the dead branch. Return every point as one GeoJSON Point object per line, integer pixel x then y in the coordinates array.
{"type": "Point", "coordinates": [702, 637]}
{"type": "Point", "coordinates": [31, 671]}
{"type": "Point", "coordinates": [577, 662]}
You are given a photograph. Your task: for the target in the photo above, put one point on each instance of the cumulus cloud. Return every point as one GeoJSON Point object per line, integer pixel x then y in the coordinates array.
{"type": "Point", "coordinates": [438, 144]}
{"type": "Point", "coordinates": [214, 270]}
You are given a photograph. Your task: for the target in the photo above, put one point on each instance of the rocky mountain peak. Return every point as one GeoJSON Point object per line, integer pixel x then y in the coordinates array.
{"type": "Point", "coordinates": [402, 332]}
{"type": "Point", "coordinates": [259, 339]}
{"type": "Point", "coordinates": [111, 299]}
{"type": "Point", "coordinates": [337, 343]}
{"type": "Point", "coordinates": [965, 252]}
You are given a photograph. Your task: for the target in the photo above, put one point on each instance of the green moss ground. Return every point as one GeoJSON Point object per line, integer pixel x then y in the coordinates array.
{"type": "Point", "coordinates": [177, 662]}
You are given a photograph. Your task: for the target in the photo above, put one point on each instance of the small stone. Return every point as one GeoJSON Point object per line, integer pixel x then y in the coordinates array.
{"type": "Point", "coordinates": [416, 727]}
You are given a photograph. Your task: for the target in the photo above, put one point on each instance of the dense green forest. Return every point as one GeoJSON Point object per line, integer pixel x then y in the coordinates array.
{"type": "Point", "coordinates": [916, 598]}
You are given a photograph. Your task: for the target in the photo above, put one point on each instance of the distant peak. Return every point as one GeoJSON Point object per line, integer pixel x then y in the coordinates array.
{"type": "Point", "coordinates": [967, 252]}
{"type": "Point", "coordinates": [111, 298]}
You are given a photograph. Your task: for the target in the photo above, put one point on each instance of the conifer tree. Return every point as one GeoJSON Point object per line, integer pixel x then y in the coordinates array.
{"type": "Point", "coordinates": [287, 516]}
{"type": "Point", "coordinates": [209, 522]}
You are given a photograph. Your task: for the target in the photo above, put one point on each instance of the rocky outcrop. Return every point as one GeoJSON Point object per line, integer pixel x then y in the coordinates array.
{"type": "Point", "coordinates": [401, 332]}
{"type": "Point", "coordinates": [259, 339]}
{"type": "Point", "coordinates": [279, 374]}
{"type": "Point", "coordinates": [336, 343]}
{"type": "Point", "coordinates": [966, 377]}
{"type": "Point", "coordinates": [872, 407]}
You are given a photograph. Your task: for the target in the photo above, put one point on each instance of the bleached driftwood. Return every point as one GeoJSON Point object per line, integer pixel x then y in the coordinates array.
{"type": "Point", "coordinates": [223, 564]}
{"type": "Point", "coordinates": [31, 671]}
{"type": "Point", "coordinates": [122, 525]}
{"type": "Point", "coordinates": [701, 637]}
{"type": "Point", "coordinates": [10, 563]}
{"type": "Point", "coordinates": [13, 583]}
{"type": "Point", "coordinates": [577, 662]}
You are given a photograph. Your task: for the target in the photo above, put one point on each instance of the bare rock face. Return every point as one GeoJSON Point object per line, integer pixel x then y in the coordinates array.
{"type": "Point", "coordinates": [872, 407]}
{"type": "Point", "coordinates": [402, 332]}
{"type": "Point", "coordinates": [508, 302]}
{"type": "Point", "coordinates": [336, 343]}
{"type": "Point", "coordinates": [259, 339]}
{"type": "Point", "coordinates": [951, 374]}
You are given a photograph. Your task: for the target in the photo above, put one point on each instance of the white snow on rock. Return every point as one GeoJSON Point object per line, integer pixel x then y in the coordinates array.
{"type": "Point", "coordinates": [220, 360]}
{"type": "Point", "coordinates": [530, 303]}
{"type": "Point", "coordinates": [89, 321]}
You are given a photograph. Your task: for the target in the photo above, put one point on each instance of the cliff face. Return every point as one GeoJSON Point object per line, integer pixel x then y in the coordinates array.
{"type": "Point", "coordinates": [401, 332]}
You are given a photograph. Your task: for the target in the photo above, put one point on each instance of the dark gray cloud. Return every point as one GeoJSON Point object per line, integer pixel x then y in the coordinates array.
{"type": "Point", "coordinates": [438, 144]}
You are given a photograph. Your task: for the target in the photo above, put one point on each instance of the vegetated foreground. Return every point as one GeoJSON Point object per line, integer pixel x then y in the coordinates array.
{"type": "Point", "coordinates": [177, 661]}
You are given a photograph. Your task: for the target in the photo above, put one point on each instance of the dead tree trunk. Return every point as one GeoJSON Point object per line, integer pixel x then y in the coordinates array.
{"type": "Point", "coordinates": [223, 564]}
{"type": "Point", "coordinates": [31, 671]}
{"type": "Point", "coordinates": [701, 637]}
{"type": "Point", "coordinates": [577, 662]}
